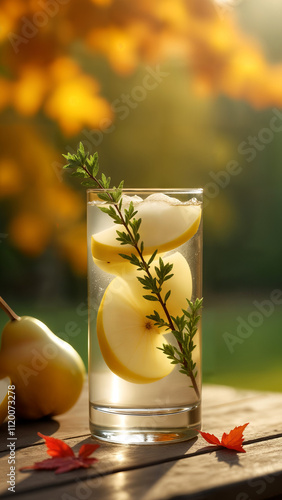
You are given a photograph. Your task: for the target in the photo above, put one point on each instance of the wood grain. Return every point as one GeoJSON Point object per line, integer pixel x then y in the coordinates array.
{"type": "Point", "coordinates": [218, 475]}
{"type": "Point", "coordinates": [62, 426]}
{"type": "Point", "coordinates": [223, 409]}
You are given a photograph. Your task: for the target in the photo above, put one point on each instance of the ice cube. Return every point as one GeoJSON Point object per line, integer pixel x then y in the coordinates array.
{"type": "Point", "coordinates": [162, 198]}
{"type": "Point", "coordinates": [126, 200]}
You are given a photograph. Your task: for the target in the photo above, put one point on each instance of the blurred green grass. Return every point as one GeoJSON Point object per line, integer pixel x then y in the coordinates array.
{"type": "Point", "coordinates": [256, 363]}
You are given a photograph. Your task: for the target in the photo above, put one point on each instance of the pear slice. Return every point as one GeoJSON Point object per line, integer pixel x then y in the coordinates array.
{"type": "Point", "coordinates": [165, 226]}
{"type": "Point", "coordinates": [180, 285]}
{"type": "Point", "coordinates": [4, 383]}
{"type": "Point", "coordinates": [128, 340]}
{"type": "Point", "coordinates": [121, 268]}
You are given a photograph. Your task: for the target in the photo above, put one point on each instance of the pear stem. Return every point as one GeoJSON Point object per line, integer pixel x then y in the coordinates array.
{"type": "Point", "coordinates": [12, 315]}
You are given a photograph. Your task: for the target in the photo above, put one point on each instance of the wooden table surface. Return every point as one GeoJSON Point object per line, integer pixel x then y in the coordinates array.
{"type": "Point", "coordinates": [188, 470]}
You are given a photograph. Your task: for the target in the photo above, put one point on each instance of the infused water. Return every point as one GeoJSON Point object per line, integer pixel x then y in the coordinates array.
{"type": "Point", "coordinates": [136, 394]}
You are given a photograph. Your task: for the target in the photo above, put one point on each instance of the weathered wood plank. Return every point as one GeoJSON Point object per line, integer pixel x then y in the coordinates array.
{"type": "Point", "coordinates": [257, 408]}
{"type": "Point", "coordinates": [217, 475]}
{"type": "Point", "coordinates": [63, 426]}
{"type": "Point", "coordinates": [263, 412]}
{"type": "Point", "coordinates": [216, 395]}
{"type": "Point", "coordinates": [113, 458]}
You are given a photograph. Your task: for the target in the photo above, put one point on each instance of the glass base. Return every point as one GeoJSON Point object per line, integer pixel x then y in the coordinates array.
{"type": "Point", "coordinates": [145, 426]}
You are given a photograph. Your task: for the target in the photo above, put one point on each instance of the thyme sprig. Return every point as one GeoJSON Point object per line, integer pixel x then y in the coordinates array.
{"type": "Point", "coordinates": [184, 332]}
{"type": "Point", "coordinates": [183, 327]}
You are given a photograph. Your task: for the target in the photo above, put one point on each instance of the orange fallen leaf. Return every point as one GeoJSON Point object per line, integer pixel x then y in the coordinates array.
{"type": "Point", "coordinates": [63, 458]}
{"type": "Point", "coordinates": [233, 440]}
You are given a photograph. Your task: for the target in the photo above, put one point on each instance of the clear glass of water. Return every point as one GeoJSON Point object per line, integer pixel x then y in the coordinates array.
{"type": "Point", "coordinates": [136, 395]}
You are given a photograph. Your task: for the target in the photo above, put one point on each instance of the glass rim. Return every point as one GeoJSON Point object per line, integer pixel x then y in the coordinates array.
{"type": "Point", "coordinates": [152, 190]}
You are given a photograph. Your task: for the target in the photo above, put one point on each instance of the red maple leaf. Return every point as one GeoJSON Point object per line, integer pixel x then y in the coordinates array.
{"type": "Point", "coordinates": [63, 458]}
{"type": "Point", "coordinates": [233, 440]}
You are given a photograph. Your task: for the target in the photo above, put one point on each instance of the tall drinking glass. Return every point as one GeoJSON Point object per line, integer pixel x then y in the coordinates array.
{"type": "Point", "coordinates": [137, 395]}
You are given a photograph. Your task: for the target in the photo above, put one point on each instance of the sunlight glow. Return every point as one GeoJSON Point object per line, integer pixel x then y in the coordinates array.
{"type": "Point", "coordinates": [115, 389]}
{"type": "Point", "coordinates": [119, 457]}
{"type": "Point", "coordinates": [230, 3]}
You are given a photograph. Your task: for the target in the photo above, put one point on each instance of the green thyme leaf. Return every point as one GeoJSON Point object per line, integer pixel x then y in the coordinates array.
{"type": "Point", "coordinates": [151, 297]}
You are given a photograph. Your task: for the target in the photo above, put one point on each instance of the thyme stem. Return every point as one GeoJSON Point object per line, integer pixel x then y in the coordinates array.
{"type": "Point", "coordinates": [87, 166]}
{"type": "Point", "coordinates": [147, 270]}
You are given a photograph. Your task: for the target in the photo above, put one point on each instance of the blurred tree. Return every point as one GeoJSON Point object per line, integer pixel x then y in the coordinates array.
{"type": "Point", "coordinates": [37, 38]}
{"type": "Point", "coordinates": [41, 208]}
{"type": "Point", "coordinates": [44, 82]}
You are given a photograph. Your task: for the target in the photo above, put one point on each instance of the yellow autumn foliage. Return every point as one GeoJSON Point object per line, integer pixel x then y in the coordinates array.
{"type": "Point", "coordinates": [37, 37]}
{"type": "Point", "coordinates": [45, 210]}
{"type": "Point", "coordinates": [42, 76]}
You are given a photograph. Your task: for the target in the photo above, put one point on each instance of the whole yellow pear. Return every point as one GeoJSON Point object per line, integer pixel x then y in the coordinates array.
{"type": "Point", "coordinates": [47, 372]}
